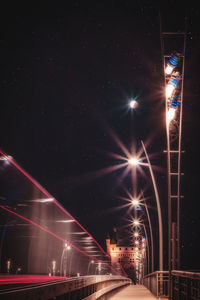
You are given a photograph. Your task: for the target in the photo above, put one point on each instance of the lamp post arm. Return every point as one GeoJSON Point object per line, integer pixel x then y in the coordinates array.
{"type": "Point", "coordinates": [151, 235]}
{"type": "Point", "coordinates": [145, 231]}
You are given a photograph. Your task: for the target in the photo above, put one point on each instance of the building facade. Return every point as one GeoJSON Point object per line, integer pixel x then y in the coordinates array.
{"type": "Point", "coordinates": [131, 258]}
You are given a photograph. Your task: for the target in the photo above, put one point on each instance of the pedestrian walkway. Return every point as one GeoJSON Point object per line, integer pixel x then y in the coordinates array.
{"type": "Point", "coordinates": [137, 292]}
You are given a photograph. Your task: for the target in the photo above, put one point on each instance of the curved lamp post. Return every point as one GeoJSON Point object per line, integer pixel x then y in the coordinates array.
{"type": "Point", "coordinates": [91, 262]}
{"type": "Point", "coordinates": [64, 260]}
{"type": "Point", "coordinates": [138, 223]}
{"type": "Point", "coordinates": [158, 209]}
{"type": "Point", "coordinates": [135, 202]}
{"type": "Point", "coordinates": [134, 161]}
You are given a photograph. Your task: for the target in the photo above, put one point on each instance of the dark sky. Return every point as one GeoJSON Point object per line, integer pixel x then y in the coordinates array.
{"type": "Point", "coordinates": [66, 76]}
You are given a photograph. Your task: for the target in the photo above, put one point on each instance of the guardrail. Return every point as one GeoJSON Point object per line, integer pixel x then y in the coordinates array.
{"type": "Point", "coordinates": [185, 285]}
{"type": "Point", "coordinates": [158, 283]}
{"type": "Point", "coordinates": [77, 288]}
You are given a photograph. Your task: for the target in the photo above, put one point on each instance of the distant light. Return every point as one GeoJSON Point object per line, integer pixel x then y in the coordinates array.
{"type": "Point", "coordinates": [7, 158]}
{"type": "Point", "coordinates": [66, 246]}
{"type": "Point", "coordinates": [43, 200]}
{"type": "Point", "coordinates": [136, 234]}
{"type": "Point", "coordinates": [68, 221]}
{"type": "Point", "coordinates": [133, 161]}
{"type": "Point", "coordinates": [133, 104]}
{"type": "Point", "coordinates": [136, 242]}
{"type": "Point", "coordinates": [136, 222]}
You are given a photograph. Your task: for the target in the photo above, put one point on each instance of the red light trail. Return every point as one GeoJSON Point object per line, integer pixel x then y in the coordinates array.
{"type": "Point", "coordinates": [61, 208]}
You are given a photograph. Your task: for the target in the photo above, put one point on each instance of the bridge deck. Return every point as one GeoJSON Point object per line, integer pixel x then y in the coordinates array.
{"type": "Point", "coordinates": [133, 292]}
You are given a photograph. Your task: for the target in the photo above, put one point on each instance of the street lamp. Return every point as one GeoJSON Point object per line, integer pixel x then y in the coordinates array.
{"type": "Point", "coordinates": [8, 265]}
{"type": "Point", "coordinates": [136, 234]}
{"type": "Point", "coordinates": [158, 209]}
{"type": "Point", "coordinates": [135, 202]}
{"type": "Point", "coordinates": [54, 267]}
{"type": "Point", "coordinates": [138, 223]}
{"type": "Point", "coordinates": [91, 262]}
{"type": "Point", "coordinates": [64, 259]}
{"type": "Point", "coordinates": [135, 161]}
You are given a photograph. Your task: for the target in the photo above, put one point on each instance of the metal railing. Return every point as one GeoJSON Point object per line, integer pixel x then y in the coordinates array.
{"type": "Point", "coordinates": [77, 288]}
{"type": "Point", "coordinates": [158, 283]}
{"type": "Point", "coordinates": [185, 285]}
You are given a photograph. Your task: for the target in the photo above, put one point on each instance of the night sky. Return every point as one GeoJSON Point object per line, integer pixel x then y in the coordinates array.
{"type": "Point", "coordinates": [66, 76]}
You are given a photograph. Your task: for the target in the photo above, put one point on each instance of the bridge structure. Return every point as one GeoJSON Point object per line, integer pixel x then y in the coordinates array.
{"type": "Point", "coordinates": [45, 253]}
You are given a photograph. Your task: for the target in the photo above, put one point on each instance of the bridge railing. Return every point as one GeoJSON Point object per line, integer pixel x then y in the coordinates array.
{"type": "Point", "coordinates": [158, 283]}
{"type": "Point", "coordinates": [185, 285]}
{"type": "Point", "coordinates": [77, 288]}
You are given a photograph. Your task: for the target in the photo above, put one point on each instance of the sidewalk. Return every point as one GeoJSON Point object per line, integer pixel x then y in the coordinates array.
{"type": "Point", "coordinates": [133, 292]}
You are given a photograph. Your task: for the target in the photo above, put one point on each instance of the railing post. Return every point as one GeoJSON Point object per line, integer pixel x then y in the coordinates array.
{"type": "Point", "coordinates": [157, 288]}
{"type": "Point", "coordinates": [189, 285]}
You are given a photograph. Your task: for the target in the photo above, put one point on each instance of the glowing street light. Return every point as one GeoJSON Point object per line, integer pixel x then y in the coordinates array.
{"type": "Point", "coordinates": [54, 267]}
{"type": "Point", "coordinates": [91, 262]}
{"type": "Point", "coordinates": [158, 209]}
{"type": "Point", "coordinates": [136, 234]}
{"type": "Point", "coordinates": [135, 202]}
{"type": "Point", "coordinates": [64, 258]}
{"type": "Point", "coordinates": [66, 246]}
{"type": "Point", "coordinates": [136, 222]}
{"type": "Point", "coordinates": [133, 161]}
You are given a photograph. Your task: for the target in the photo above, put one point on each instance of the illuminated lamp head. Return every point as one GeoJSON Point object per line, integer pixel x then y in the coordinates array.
{"type": "Point", "coordinates": [172, 63]}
